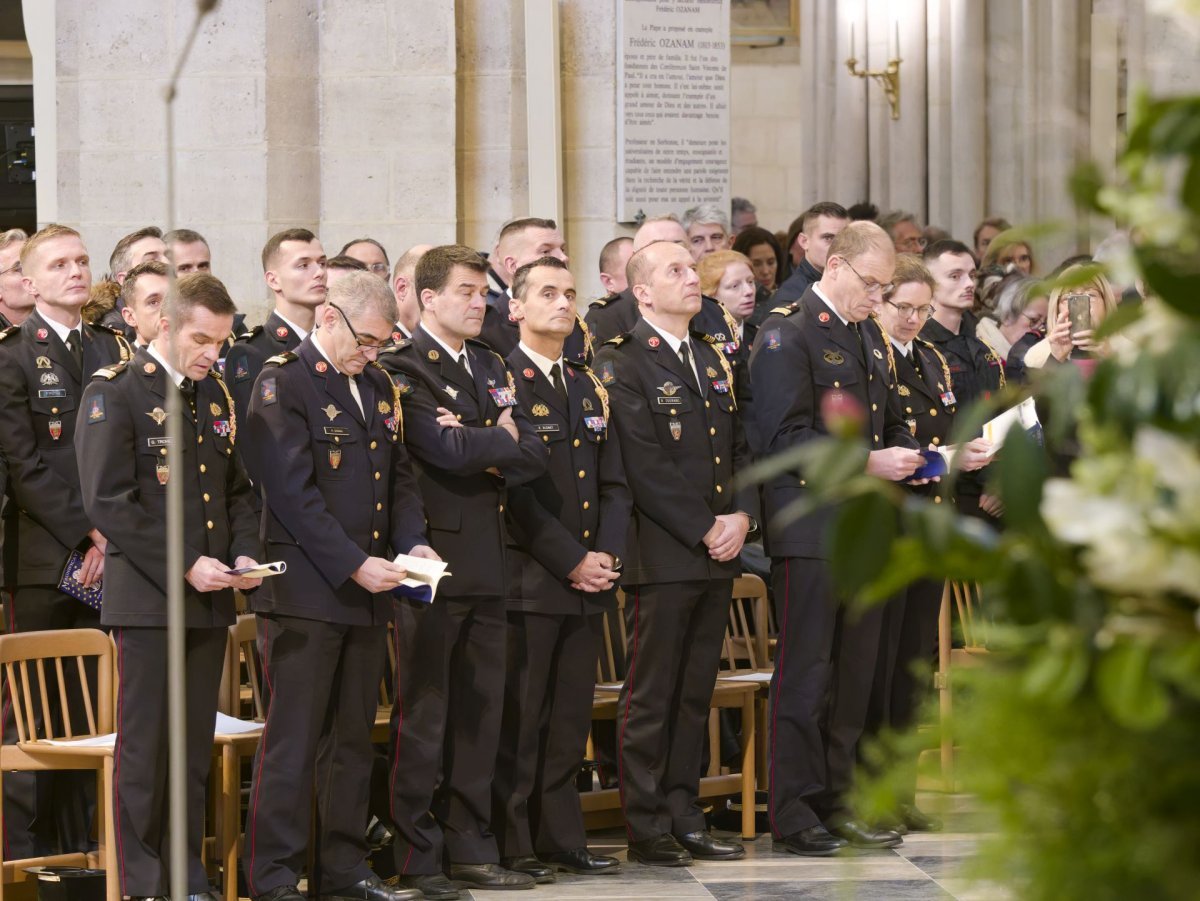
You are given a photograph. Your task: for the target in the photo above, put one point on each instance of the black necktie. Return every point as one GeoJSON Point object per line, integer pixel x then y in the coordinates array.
{"type": "Point", "coordinates": [75, 346]}
{"type": "Point", "coordinates": [462, 361]}
{"type": "Point", "coordinates": [556, 379]}
{"type": "Point", "coordinates": [685, 354]}
{"type": "Point", "coordinates": [862, 345]}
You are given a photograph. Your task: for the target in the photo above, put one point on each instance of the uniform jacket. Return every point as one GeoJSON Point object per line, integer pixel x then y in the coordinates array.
{"type": "Point", "coordinates": [682, 443]}
{"type": "Point", "coordinates": [124, 473]}
{"type": "Point", "coordinates": [41, 391]}
{"type": "Point", "coordinates": [580, 504]}
{"type": "Point", "coordinates": [463, 500]}
{"type": "Point", "coordinates": [802, 352]}
{"type": "Point", "coordinates": [795, 285]}
{"type": "Point", "coordinates": [337, 485]}
{"type": "Point", "coordinates": [249, 352]}
{"type": "Point", "coordinates": [502, 334]}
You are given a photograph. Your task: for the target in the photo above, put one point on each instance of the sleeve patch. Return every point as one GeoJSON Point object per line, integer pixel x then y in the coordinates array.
{"type": "Point", "coordinates": [606, 373]}
{"type": "Point", "coordinates": [771, 340]}
{"type": "Point", "coordinates": [96, 410]}
{"type": "Point", "coordinates": [267, 391]}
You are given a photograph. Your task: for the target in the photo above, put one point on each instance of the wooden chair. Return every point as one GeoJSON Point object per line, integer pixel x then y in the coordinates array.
{"type": "Point", "coordinates": [241, 697]}
{"type": "Point", "coordinates": [603, 807]}
{"type": "Point", "coordinates": [746, 654]}
{"type": "Point", "coordinates": [89, 655]}
{"type": "Point", "coordinates": [966, 601]}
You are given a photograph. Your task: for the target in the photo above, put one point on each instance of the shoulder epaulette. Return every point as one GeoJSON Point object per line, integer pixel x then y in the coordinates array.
{"type": "Point", "coordinates": [477, 342]}
{"type": "Point", "coordinates": [576, 364]}
{"type": "Point", "coordinates": [9, 332]}
{"type": "Point", "coordinates": [107, 373]}
{"type": "Point", "coordinates": [706, 338]}
{"type": "Point", "coordinates": [214, 373]}
{"type": "Point", "coordinates": [786, 310]}
{"type": "Point", "coordinates": [249, 333]}
{"type": "Point", "coordinates": [603, 301]}
{"type": "Point", "coordinates": [617, 340]}
{"type": "Point", "coordinates": [280, 359]}
{"type": "Point", "coordinates": [396, 345]}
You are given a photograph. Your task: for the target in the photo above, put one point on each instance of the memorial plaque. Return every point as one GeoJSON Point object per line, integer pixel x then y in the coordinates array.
{"type": "Point", "coordinates": [672, 105]}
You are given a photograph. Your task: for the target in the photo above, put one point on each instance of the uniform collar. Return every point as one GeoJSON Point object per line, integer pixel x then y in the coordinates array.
{"type": "Point", "coordinates": [905, 349]}
{"type": "Point", "coordinates": [817, 291]}
{"type": "Point", "coordinates": [453, 354]}
{"type": "Point", "coordinates": [545, 364]}
{"type": "Point", "coordinates": [62, 330]}
{"type": "Point", "coordinates": [175, 375]}
{"type": "Point", "coordinates": [300, 333]}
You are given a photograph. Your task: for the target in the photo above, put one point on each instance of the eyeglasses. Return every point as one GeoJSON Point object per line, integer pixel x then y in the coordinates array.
{"type": "Point", "coordinates": [906, 311]}
{"type": "Point", "coordinates": [911, 244]}
{"type": "Point", "coordinates": [1034, 321]}
{"type": "Point", "coordinates": [378, 267]}
{"type": "Point", "coordinates": [361, 344]}
{"type": "Point", "coordinates": [871, 286]}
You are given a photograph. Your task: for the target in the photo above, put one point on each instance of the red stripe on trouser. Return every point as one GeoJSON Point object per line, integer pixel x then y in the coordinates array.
{"type": "Point", "coordinates": [266, 649]}
{"type": "Point", "coordinates": [780, 652]}
{"type": "Point", "coordinates": [117, 756]}
{"type": "Point", "coordinates": [396, 747]}
{"type": "Point", "coordinates": [628, 704]}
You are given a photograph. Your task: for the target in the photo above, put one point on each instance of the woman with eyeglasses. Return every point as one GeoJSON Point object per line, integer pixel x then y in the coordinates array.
{"type": "Point", "coordinates": [1018, 321]}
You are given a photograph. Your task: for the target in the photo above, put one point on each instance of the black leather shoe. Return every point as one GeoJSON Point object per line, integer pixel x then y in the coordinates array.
{"type": "Point", "coordinates": [703, 846]}
{"type": "Point", "coordinates": [815, 841]}
{"type": "Point", "coordinates": [282, 893]}
{"type": "Point", "coordinates": [372, 889]}
{"type": "Point", "coordinates": [434, 886]}
{"type": "Point", "coordinates": [860, 835]}
{"type": "Point", "coordinates": [489, 876]}
{"type": "Point", "coordinates": [916, 820]}
{"type": "Point", "coordinates": [582, 862]}
{"type": "Point", "coordinates": [530, 866]}
{"type": "Point", "coordinates": [660, 851]}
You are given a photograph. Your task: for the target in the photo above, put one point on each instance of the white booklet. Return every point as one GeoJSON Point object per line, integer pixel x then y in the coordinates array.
{"type": "Point", "coordinates": [1023, 415]}
{"type": "Point", "coordinates": [423, 577]}
{"type": "Point", "coordinates": [261, 571]}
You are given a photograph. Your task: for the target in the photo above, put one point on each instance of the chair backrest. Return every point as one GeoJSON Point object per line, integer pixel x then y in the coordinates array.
{"type": "Point", "coordinates": [968, 604]}
{"type": "Point", "coordinates": [747, 640]}
{"type": "Point", "coordinates": [241, 685]}
{"type": "Point", "coordinates": [75, 666]}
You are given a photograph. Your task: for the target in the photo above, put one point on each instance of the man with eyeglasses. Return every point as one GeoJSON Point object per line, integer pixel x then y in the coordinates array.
{"type": "Point", "coordinates": [370, 253]}
{"type": "Point", "coordinates": [294, 268]}
{"type": "Point", "coordinates": [325, 446]}
{"type": "Point", "coordinates": [904, 230]}
{"type": "Point", "coordinates": [15, 301]}
{"type": "Point", "coordinates": [975, 366]}
{"type": "Point", "coordinates": [812, 356]}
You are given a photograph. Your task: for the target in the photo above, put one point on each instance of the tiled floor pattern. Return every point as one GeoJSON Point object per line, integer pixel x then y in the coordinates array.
{"type": "Point", "coordinates": [926, 867]}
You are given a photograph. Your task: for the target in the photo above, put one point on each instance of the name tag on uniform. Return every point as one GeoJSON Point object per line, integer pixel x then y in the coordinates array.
{"type": "Point", "coordinates": [52, 392]}
{"type": "Point", "coordinates": [335, 431]}
{"type": "Point", "coordinates": [595, 423]}
{"type": "Point", "coordinates": [158, 442]}
{"type": "Point", "coordinates": [669, 401]}
{"type": "Point", "coordinates": [541, 427]}
{"type": "Point", "coordinates": [503, 397]}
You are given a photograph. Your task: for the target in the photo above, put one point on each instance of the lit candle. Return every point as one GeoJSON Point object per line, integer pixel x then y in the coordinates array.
{"type": "Point", "coordinates": [852, 40]}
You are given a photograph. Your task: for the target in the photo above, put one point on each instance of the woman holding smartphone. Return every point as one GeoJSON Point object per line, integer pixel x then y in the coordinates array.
{"type": "Point", "coordinates": [1072, 317]}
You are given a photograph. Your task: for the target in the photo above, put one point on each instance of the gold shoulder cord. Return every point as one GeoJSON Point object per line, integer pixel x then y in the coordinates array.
{"type": "Point", "coordinates": [942, 360]}
{"type": "Point", "coordinates": [996, 357]}
{"type": "Point", "coordinates": [887, 342]}
{"type": "Point", "coordinates": [601, 392]}
{"type": "Point", "coordinates": [395, 399]}
{"type": "Point", "coordinates": [588, 344]}
{"type": "Point", "coordinates": [730, 323]}
{"type": "Point", "coordinates": [123, 347]}
{"type": "Point", "coordinates": [232, 412]}
{"type": "Point", "coordinates": [728, 377]}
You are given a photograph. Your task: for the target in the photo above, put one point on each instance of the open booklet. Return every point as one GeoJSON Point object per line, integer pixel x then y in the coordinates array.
{"type": "Point", "coordinates": [1023, 415]}
{"type": "Point", "coordinates": [423, 578]}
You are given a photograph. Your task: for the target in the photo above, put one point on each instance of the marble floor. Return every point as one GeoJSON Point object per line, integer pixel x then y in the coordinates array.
{"type": "Point", "coordinates": [927, 866]}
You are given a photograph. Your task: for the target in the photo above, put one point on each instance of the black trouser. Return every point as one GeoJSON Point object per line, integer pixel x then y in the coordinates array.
{"type": "Point", "coordinates": [52, 811]}
{"type": "Point", "coordinates": [450, 697]}
{"type": "Point", "coordinates": [140, 796]}
{"type": "Point", "coordinates": [324, 683]}
{"type": "Point", "coordinates": [547, 714]}
{"type": "Point", "coordinates": [675, 634]}
{"type": "Point", "coordinates": [903, 674]}
{"type": "Point", "coordinates": [820, 691]}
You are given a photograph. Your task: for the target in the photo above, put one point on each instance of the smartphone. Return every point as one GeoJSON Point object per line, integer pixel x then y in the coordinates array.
{"type": "Point", "coordinates": [1079, 308]}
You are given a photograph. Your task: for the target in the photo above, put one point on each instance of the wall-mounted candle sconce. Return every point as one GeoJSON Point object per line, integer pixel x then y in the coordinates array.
{"type": "Point", "coordinates": [888, 78]}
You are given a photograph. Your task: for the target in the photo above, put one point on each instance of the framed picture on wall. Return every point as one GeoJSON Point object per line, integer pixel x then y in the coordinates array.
{"type": "Point", "coordinates": [753, 17]}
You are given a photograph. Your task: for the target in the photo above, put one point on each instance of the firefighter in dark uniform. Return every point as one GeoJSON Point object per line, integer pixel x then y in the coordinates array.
{"type": "Point", "coordinates": [325, 445]}
{"type": "Point", "coordinates": [976, 368]}
{"type": "Point", "coordinates": [470, 440]}
{"type": "Point", "coordinates": [569, 526]}
{"type": "Point", "coordinates": [925, 394]}
{"type": "Point", "coordinates": [807, 354]}
{"type": "Point", "coordinates": [124, 471]}
{"type": "Point", "coordinates": [44, 365]}
{"type": "Point", "coordinates": [673, 408]}
{"type": "Point", "coordinates": [522, 241]}
{"type": "Point", "coordinates": [294, 269]}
